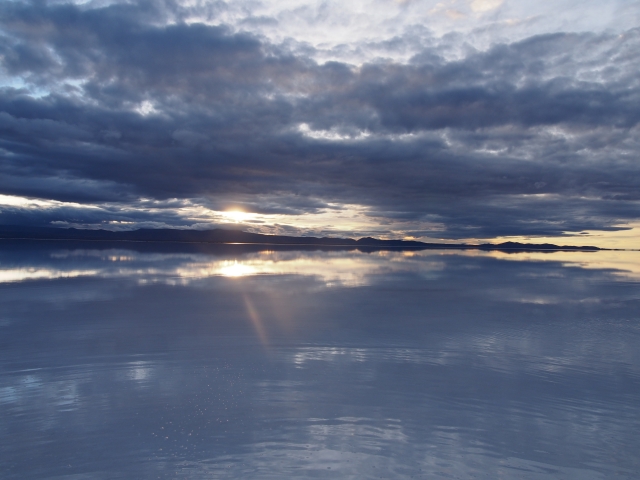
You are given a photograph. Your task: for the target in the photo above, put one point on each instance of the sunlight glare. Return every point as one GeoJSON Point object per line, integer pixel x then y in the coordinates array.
{"type": "Point", "coordinates": [237, 216]}
{"type": "Point", "coordinates": [237, 270]}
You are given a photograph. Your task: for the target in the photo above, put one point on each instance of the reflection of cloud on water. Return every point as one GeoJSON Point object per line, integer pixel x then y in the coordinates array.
{"type": "Point", "coordinates": [478, 373]}
{"type": "Point", "coordinates": [622, 263]}
{"type": "Point", "coordinates": [63, 395]}
{"type": "Point", "coordinates": [513, 350]}
{"type": "Point", "coordinates": [11, 275]}
{"type": "Point", "coordinates": [140, 371]}
{"type": "Point", "coordinates": [307, 354]}
{"type": "Point", "coordinates": [331, 268]}
{"type": "Point", "coordinates": [337, 268]}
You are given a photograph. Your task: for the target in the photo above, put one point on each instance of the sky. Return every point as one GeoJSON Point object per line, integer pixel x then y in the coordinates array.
{"type": "Point", "coordinates": [454, 120]}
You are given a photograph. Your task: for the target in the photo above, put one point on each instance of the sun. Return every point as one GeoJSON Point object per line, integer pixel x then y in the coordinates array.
{"type": "Point", "coordinates": [237, 216]}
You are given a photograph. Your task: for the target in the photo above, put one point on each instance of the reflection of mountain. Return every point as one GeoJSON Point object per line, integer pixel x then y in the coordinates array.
{"type": "Point", "coordinates": [238, 236]}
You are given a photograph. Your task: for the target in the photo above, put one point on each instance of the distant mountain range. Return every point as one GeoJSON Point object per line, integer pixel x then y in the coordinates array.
{"type": "Point", "coordinates": [225, 236]}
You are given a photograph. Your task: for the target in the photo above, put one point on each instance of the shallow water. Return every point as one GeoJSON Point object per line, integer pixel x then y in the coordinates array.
{"type": "Point", "coordinates": [138, 361]}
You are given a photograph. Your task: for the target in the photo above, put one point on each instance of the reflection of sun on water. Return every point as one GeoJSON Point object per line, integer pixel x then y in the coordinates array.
{"type": "Point", "coordinates": [237, 270]}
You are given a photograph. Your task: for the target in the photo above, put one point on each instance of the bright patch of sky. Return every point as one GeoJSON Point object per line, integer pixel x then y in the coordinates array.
{"type": "Point", "coordinates": [360, 30]}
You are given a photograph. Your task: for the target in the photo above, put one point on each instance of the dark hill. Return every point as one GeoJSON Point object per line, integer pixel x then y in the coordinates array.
{"type": "Point", "coordinates": [226, 236]}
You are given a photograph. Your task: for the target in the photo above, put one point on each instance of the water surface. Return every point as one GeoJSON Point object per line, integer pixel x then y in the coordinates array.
{"type": "Point", "coordinates": [138, 361]}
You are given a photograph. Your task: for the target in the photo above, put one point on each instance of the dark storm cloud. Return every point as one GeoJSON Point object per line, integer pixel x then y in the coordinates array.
{"type": "Point", "coordinates": [535, 137]}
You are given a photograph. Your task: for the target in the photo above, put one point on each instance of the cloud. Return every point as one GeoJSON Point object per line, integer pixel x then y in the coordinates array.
{"type": "Point", "coordinates": [118, 103]}
{"type": "Point", "coordinates": [485, 5]}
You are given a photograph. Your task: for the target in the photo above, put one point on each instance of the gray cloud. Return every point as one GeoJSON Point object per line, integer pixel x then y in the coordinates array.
{"type": "Point", "coordinates": [532, 137]}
